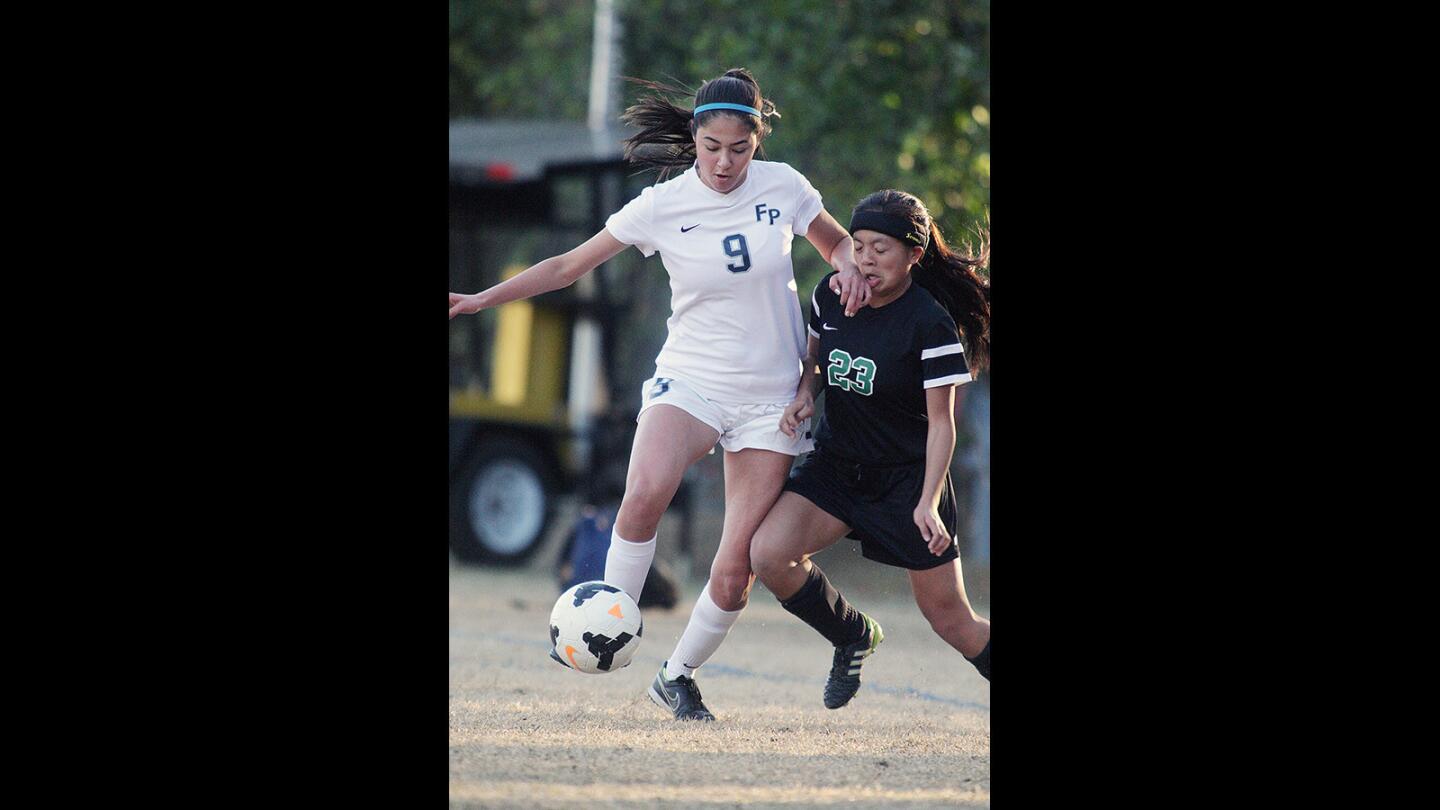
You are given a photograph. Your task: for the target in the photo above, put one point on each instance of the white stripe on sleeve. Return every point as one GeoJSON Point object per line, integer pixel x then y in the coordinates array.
{"type": "Point", "coordinates": [941, 351]}
{"type": "Point", "coordinates": [958, 379]}
{"type": "Point", "coordinates": [812, 331]}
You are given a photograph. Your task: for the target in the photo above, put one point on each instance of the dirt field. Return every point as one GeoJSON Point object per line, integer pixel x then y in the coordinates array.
{"type": "Point", "coordinates": [525, 732]}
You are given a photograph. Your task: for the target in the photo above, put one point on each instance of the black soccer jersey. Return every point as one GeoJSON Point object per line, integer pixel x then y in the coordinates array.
{"type": "Point", "coordinates": [877, 366]}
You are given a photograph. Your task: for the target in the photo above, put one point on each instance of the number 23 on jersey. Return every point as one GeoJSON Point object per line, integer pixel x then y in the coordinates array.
{"type": "Point", "coordinates": [840, 365]}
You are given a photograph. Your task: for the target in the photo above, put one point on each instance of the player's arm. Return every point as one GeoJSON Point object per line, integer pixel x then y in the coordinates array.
{"type": "Point", "coordinates": [811, 381]}
{"type": "Point", "coordinates": [551, 274]}
{"type": "Point", "coordinates": [839, 250]}
{"type": "Point", "coordinates": [939, 448]}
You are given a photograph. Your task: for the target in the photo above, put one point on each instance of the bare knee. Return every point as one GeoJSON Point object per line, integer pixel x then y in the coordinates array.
{"type": "Point", "coordinates": [949, 617]}
{"type": "Point", "coordinates": [729, 586]}
{"type": "Point", "coordinates": [953, 626]}
{"type": "Point", "coordinates": [645, 501]}
{"type": "Point", "coordinates": [769, 562]}
{"type": "Point", "coordinates": [953, 620]}
{"type": "Point", "coordinates": [772, 570]}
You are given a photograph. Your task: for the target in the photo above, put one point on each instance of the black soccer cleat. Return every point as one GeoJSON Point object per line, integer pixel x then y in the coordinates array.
{"type": "Point", "coordinates": [681, 696]}
{"type": "Point", "coordinates": [845, 668]}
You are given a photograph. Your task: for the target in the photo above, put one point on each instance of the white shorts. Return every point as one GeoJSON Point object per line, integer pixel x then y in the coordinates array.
{"type": "Point", "coordinates": [739, 425]}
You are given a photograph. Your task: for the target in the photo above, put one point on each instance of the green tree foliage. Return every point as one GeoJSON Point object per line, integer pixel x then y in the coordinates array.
{"type": "Point", "coordinates": [873, 93]}
{"type": "Point", "coordinates": [525, 59]}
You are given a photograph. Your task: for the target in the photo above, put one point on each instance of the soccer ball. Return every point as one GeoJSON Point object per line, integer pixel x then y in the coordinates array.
{"type": "Point", "coordinates": [595, 628]}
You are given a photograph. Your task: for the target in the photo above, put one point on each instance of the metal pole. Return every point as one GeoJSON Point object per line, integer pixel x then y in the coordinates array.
{"type": "Point", "coordinates": [586, 376]}
{"type": "Point", "coordinates": [604, 65]}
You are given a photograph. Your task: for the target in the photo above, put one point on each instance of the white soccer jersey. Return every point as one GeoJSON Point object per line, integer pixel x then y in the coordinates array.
{"type": "Point", "coordinates": [735, 328]}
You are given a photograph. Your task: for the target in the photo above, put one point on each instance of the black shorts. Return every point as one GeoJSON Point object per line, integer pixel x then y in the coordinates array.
{"type": "Point", "coordinates": [878, 504]}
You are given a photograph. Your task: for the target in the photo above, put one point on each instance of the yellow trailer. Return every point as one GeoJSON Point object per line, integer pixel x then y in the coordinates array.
{"type": "Point", "coordinates": [528, 380]}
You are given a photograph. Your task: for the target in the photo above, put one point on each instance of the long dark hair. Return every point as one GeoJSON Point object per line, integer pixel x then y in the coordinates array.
{"type": "Point", "coordinates": [666, 140]}
{"type": "Point", "coordinates": [949, 276]}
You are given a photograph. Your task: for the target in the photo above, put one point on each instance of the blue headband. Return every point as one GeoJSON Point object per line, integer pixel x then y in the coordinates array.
{"type": "Point", "coordinates": [727, 106]}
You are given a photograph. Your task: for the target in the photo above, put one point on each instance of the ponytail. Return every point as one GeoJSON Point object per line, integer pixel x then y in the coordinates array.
{"type": "Point", "coordinates": [951, 278]}
{"type": "Point", "coordinates": [666, 140]}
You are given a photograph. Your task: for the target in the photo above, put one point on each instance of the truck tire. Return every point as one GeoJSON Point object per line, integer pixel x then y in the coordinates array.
{"type": "Point", "coordinates": [501, 503]}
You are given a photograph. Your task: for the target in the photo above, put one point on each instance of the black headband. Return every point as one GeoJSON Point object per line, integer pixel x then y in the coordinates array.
{"type": "Point", "coordinates": [881, 222]}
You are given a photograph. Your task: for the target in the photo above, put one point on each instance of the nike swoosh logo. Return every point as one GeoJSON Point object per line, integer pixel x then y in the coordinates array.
{"type": "Point", "coordinates": [829, 327]}
{"type": "Point", "coordinates": [691, 228]}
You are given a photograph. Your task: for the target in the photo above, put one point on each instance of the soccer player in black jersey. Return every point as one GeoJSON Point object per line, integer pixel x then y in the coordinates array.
{"type": "Point", "coordinates": [880, 469]}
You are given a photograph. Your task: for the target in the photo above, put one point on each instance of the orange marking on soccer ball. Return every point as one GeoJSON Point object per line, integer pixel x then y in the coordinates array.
{"type": "Point", "coordinates": [615, 611]}
{"type": "Point", "coordinates": [570, 653]}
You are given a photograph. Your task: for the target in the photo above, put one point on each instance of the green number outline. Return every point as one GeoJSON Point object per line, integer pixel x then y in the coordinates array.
{"type": "Point", "coordinates": [865, 376]}
{"type": "Point", "coordinates": [840, 364]}
{"type": "Point", "coordinates": [840, 358]}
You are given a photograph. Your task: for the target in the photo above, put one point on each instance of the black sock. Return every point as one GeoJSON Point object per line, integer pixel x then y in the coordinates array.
{"type": "Point", "coordinates": [819, 605]}
{"type": "Point", "coordinates": [982, 661]}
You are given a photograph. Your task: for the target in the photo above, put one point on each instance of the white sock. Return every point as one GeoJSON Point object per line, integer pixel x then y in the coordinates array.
{"type": "Point", "coordinates": [627, 563]}
{"type": "Point", "coordinates": [702, 637]}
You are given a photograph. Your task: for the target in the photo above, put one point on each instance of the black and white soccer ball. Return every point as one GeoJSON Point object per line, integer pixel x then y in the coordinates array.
{"type": "Point", "coordinates": [595, 628]}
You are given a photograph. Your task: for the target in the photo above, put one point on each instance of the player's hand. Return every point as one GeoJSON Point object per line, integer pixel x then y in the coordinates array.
{"type": "Point", "coordinates": [461, 304]}
{"type": "Point", "coordinates": [796, 413]}
{"type": "Point", "coordinates": [850, 284]}
{"type": "Point", "coordinates": [927, 517]}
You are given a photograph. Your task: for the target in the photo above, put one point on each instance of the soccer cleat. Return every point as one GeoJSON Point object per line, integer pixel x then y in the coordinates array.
{"type": "Point", "coordinates": [681, 696]}
{"type": "Point", "coordinates": [845, 669]}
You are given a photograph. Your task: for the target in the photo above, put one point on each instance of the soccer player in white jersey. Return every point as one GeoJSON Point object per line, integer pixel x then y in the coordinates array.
{"type": "Point", "coordinates": [732, 360]}
{"type": "Point", "coordinates": [880, 470]}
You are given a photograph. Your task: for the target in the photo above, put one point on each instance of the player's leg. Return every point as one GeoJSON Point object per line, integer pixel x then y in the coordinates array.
{"type": "Point", "coordinates": [667, 441]}
{"type": "Point", "coordinates": [780, 555]}
{"type": "Point", "coordinates": [796, 528]}
{"type": "Point", "coordinates": [753, 479]}
{"type": "Point", "coordinates": [940, 593]}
